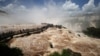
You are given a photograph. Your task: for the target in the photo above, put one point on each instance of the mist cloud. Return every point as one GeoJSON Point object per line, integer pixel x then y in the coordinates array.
{"type": "Point", "coordinates": [68, 14]}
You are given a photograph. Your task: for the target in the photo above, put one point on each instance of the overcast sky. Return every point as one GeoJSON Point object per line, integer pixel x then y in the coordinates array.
{"type": "Point", "coordinates": [76, 12]}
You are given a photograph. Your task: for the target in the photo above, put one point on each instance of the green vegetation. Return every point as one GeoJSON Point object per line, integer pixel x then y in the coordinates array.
{"type": "Point", "coordinates": [92, 31]}
{"type": "Point", "coordinates": [5, 50]}
{"type": "Point", "coordinates": [66, 52]}
{"type": "Point", "coordinates": [55, 54]}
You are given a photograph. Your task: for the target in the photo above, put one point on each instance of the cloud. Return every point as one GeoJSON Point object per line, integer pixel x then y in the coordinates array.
{"type": "Point", "coordinates": [69, 6]}
{"type": "Point", "coordinates": [14, 8]}
{"type": "Point", "coordinates": [68, 14]}
{"type": "Point", "coordinates": [2, 0]}
{"type": "Point", "coordinates": [89, 7]}
{"type": "Point", "coordinates": [97, 9]}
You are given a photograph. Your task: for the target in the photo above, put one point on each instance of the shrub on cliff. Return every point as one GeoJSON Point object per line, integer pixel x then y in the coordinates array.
{"type": "Point", "coordinates": [92, 31]}
{"type": "Point", "coordinates": [5, 50]}
{"type": "Point", "coordinates": [66, 52]}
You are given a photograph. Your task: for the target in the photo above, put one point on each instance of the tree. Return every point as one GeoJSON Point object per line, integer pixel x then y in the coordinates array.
{"type": "Point", "coordinates": [5, 50]}
{"type": "Point", "coordinates": [92, 31]}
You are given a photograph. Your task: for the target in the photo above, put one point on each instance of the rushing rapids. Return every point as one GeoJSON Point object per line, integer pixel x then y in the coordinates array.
{"type": "Point", "coordinates": [50, 38]}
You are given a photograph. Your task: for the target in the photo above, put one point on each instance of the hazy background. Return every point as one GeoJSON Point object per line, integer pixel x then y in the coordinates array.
{"type": "Point", "coordinates": [74, 14]}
